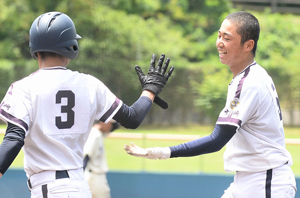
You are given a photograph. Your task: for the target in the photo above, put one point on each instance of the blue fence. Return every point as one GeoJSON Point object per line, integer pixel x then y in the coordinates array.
{"type": "Point", "coordinates": [13, 184]}
{"type": "Point", "coordinates": [150, 185]}
{"type": "Point", "coordinates": [138, 185]}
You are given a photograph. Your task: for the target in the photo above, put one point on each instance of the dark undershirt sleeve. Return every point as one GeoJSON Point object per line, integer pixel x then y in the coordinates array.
{"type": "Point", "coordinates": [131, 117]}
{"type": "Point", "coordinates": [208, 144]}
{"type": "Point", "coordinates": [11, 145]}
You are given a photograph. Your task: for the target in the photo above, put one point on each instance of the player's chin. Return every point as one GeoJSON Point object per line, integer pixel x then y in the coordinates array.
{"type": "Point", "coordinates": [223, 61]}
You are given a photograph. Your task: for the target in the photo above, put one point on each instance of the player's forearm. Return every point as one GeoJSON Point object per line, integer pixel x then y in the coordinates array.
{"type": "Point", "coordinates": [208, 144]}
{"type": "Point", "coordinates": [11, 145]}
{"type": "Point", "coordinates": [131, 117]}
{"type": "Point", "coordinates": [9, 149]}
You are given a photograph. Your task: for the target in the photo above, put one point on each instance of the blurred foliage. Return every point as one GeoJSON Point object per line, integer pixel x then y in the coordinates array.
{"type": "Point", "coordinates": [278, 52]}
{"type": "Point", "coordinates": [118, 34]}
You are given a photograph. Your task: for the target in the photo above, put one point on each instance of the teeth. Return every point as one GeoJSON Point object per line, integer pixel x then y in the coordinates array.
{"type": "Point", "coordinates": [222, 52]}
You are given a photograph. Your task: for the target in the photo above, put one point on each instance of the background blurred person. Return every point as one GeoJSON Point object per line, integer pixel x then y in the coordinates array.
{"type": "Point", "coordinates": [95, 163]}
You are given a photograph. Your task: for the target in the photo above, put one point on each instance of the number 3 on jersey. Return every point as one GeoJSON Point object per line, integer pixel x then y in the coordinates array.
{"type": "Point", "coordinates": [70, 96]}
{"type": "Point", "coordinates": [64, 110]}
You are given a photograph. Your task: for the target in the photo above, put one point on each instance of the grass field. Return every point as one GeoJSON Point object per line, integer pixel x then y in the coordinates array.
{"type": "Point", "coordinates": [119, 160]}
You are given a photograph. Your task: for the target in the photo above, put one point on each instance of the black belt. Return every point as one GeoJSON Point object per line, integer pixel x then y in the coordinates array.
{"type": "Point", "coordinates": [61, 174]}
{"type": "Point", "coordinates": [58, 175]}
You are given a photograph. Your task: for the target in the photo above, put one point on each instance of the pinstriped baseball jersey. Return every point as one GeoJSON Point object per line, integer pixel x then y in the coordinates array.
{"type": "Point", "coordinates": [57, 107]}
{"type": "Point", "coordinates": [253, 106]}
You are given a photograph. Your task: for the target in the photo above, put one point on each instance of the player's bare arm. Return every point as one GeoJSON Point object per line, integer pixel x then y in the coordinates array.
{"type": "Point", "coordinates": [148, 94]}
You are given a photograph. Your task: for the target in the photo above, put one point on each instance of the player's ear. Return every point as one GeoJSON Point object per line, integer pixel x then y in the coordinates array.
{"type": "Point", "coordinates": [249, 45]}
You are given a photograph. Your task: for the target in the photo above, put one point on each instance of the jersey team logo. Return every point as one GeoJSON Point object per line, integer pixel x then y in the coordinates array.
{"type": "Point", "coordinates": [6, 102]}
{"type": "Point", "coordinates": [234, 103]}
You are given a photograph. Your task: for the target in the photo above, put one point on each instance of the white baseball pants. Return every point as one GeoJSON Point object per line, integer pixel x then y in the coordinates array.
{"type": "Point", "coordinates": [59, 184]}
{"type": "Point", "coordinates": [274, 183]}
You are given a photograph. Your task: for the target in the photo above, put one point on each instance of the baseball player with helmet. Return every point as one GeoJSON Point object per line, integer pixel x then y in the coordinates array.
{"type": "Point", "coordinates": [51, 112]}
{"type": "Point", "coordinates": [250, 123]}
{"type": "Point", "coordinates": [94, 162]}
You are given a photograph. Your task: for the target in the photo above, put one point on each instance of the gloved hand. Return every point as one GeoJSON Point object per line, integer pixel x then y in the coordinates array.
{"type": "Point", "coordinates": [157, 77]}
{"type": "Point", "coordinates": [149, 153]}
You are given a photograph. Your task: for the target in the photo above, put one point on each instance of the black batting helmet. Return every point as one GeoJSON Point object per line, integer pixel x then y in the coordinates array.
{"type": "Point", "coordinates": [54, 32]}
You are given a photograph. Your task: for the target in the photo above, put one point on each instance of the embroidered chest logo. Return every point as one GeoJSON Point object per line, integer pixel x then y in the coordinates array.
{"type": "Point", "coordinates": [7, 106]}
{"type": "Point", "coordinates": [234, 103]}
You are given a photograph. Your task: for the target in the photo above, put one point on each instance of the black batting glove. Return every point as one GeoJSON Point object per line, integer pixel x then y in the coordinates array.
{"type": "Point", "coordinates": [157, 77]}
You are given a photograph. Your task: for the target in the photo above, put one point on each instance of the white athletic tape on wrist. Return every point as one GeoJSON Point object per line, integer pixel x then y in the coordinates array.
{"type": "Point", "coordinates": [158, 153]}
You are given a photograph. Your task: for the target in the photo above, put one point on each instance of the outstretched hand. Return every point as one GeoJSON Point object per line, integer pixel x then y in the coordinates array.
{"type": "Point", "coordinates": [157, 77]}
{"type": "Point", "coordinates": [135, 150]}
{"type": "Point", "coordinates": [149, 153]}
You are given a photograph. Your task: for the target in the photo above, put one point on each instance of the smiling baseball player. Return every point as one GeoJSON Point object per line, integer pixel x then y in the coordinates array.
{"type": "Point", "coordinates": [51, 112]}
{"type": "Point", "coordinates": [250, 123]}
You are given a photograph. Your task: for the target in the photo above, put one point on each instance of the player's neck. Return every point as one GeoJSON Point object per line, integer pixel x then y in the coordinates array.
{"type": "Point", "coordinates": [240, 66]}
{"type": "Point", "coordinates": [53, 62]}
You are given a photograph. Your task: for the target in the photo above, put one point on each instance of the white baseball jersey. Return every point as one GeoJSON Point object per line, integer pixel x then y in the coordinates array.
{"type": "Point", "coordinates": [253, 106]}
{"type": "Point", "coordinates": [94, 148]}
{"type": "Point", "coordinates": [57, 107]}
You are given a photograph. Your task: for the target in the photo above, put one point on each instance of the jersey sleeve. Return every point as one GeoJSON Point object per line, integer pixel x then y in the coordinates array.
{"type": "Point", "coordinates": [15, 107]}
{"type": "Point", "coordinates": [107, 103]}
{"type": "Point", "coordinates": [240, 108]}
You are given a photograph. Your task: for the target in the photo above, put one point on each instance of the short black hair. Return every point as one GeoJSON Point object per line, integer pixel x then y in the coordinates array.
{"type": "Point", "coordinates": [45, 55]}
{"type": "Point", "coordinates": [247, 27]}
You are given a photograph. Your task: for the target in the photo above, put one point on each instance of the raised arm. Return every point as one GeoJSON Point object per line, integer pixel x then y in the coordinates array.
{"type": "Point", "coordinates": [152, 83]}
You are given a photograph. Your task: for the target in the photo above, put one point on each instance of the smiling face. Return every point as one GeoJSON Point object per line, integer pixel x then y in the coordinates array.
{"type": "Point", "coordinates": [231, 52]}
